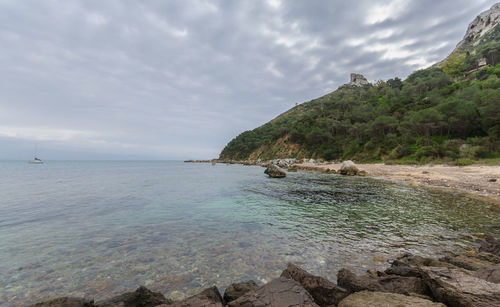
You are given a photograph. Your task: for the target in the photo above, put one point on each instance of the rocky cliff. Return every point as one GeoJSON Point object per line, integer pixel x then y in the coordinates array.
{"type": "Point", "coordinates": [480, 26]}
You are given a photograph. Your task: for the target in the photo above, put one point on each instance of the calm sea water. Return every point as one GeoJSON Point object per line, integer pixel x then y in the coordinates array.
{"type": "Point", "coordinates": [97, 228]}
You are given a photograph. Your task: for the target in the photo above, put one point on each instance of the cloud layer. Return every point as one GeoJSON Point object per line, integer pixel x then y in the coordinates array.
{"type": "Point", "coordinates": [179, 79]}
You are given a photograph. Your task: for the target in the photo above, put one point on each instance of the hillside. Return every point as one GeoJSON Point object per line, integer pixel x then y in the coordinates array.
{"type": "Point", "coordinates": [450, 110]}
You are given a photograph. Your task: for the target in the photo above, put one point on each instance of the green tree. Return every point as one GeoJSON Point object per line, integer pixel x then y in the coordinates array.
{"type": "Point", "coordinates": [454, 65]}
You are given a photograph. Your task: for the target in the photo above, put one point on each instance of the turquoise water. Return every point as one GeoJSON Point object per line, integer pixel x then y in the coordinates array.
{"type": "Point", "coordinates": [97, 228]}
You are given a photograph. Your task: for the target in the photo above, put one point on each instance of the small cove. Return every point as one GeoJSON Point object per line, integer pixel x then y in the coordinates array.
{"type": "Point", "coordinates": [96, 228]}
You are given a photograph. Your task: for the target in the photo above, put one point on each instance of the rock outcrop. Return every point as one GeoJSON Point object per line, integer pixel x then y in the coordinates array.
{"type": "Point", "coordinates": [236, 290]}
{"type": "Point", "coordinates": [274, 171]}
{"type": "Point", "coordinates": [490, 245]}
{"type": "Point", "coordinates": [66, 302]}
{"type": "Point", "coordinates": [457, 288]}
{"type": "Point", "coordinates": [323, 291]}
{"type": "Point", "coordinates": [491, 274]}
{"type": "Point", "coordinates": [142, 297]}
{"type": "Point", "coordinates": [480, 25]}
{"type": "Point", "coordinates": [278, 292]}
{"type": "Point", "coordinates": [348, 168]}
{"type": "Point", "coordinates": [209, 297]}
{"type": "Point", "coordinates": [394, 284]}
{"type": "Point", "coordinates": [384, 299]}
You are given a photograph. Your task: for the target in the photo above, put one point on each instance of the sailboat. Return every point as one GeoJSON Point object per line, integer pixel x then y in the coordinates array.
{"type": "Point", "coordinates": [35, 159]}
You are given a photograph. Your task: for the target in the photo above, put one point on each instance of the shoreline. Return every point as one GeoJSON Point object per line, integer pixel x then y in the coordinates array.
{"type": "Point", "coordinates": [470, 179]}
{"type": "Point", "coordinates": [479, 181]}
{"type": "Point", "coordinates": [470, 278]}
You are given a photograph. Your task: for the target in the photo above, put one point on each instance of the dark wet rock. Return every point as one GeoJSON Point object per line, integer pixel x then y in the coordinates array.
{"type": "Point", "coordinates": [456, 288]}
{"type": "Point", "coordinates": [207, 298]}
{"type": "Point", "coordinates": [352, 283]}
{"type": "Point", "coordinates": [416, 261]}
{"type": "Point", "coordinates": [491, 274]}
{"type": "Point", "coordinates": [402, 269]}
{"type": "Point", "coordinates": [490, 245]}
{"type": "Point", "coordinates": [323, 291]}
{"type": "Point", "coordinates": [468, 262]}
{"type": "Point", "coordinates": [142, 297]}
{"type": "Point", "coordinates": [66, 302]}
{"type": "Point", "coordinates": [348, 168]}
{"type": "Point", "coordinates": [236, 290]}
{"type": "Point", "coordinates": [393, 283]}
{"type": "Point", "coordinates": [492, 180]}
{"type": "Point", "coordinates": [274, 171]}
{"type": "Point", "coordinates": [385, 299]}
{"type": "Point", "coordinates": [278, 292]}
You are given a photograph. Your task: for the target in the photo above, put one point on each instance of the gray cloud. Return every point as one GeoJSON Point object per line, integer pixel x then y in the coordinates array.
{"type": "Point", "coordinates": [179, 79]}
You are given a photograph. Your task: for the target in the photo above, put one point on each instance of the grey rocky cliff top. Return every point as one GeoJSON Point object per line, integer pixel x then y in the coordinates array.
{"type": "Point", "coordinates": [480, 25]}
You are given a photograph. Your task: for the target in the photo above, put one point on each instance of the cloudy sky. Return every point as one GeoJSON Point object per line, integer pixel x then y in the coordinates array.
{"type": "Point", "coordinates": [123, 79]}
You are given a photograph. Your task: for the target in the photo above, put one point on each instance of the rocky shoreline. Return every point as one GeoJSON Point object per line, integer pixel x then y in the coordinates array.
{"type": "Point", "coordinates": [471, 278]}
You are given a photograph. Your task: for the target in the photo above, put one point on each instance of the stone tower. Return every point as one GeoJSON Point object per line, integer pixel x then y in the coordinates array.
{"type": "Point", "coordinates": [358, 80]}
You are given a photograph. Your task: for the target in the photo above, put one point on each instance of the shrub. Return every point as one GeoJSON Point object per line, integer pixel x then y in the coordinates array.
{"type": "Point", "coordinates": [399, 152]}
{"type": "Point", "coordinates": [464, 162]}
{"type": "Point", "coordinates": [426, 151]}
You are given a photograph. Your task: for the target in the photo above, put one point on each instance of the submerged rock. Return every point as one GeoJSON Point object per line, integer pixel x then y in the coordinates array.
{"type": "Point", "coordinates": [66, 302]}
{"type": "Point", "coordinates": [142, 297]}
{"type": "Point", "coordinates": [207, 298]}
{"type": "Point", "coordinates": [236, 290]}
{"type": "Point", "coordinates": [323, 291]}
{"type": "Point", "coordinates": [348, 168]}
{"type": "Point", "coordinates": [457, 288]}
{"type": "Point", "coordinates": [384, 299]}
{"type": "Point", "coordinates": [274, 171]}
{"type": "Point", "coordinates": [278, 292]}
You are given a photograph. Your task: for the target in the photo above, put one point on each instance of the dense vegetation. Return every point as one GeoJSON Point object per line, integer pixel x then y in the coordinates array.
{"type": "Point", "coordinates": [440, 112]}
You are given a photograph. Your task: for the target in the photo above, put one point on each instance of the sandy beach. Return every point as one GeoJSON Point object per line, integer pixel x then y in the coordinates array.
{"type": "Point", "coordinates": [476, 179]}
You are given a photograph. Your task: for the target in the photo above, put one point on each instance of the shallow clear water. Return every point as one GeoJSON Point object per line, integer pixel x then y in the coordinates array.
{"type": "Point", "coordinates": [96, 228]}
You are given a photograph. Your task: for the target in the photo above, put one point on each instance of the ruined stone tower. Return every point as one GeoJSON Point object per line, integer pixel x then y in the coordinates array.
{"type": "Point", "coordinates": [358, 80]}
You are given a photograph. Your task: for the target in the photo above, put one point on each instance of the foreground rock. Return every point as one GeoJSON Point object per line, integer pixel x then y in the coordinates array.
{"type": "Point", "coordinates": [207, 298]}
{"type": "Point", "coordinates": [234, 291]}
{"type": "Point", "coordinates": [472, 262]}
{"type": "Point", "coordinates": [274, 171]}
{"type": "Point", "coordinates": [394, 284]}
{"type": "Point", "coordinates": [384, 299]}
{"type": "Point", "coordinates": [456, 288]}
{"type": "Point", "coordinates": [279, 292]}
{"type": "Point", "coordinates": [414, 261]}
{"type": "Point", "coordinates": [490, 245]}
{"type": "Point", "coordinates": [323, 291]}
{"type": "Point", "coordinates": [491, 274]}
{"type": "Point", "coordinates": [348, 168]}
{"type": "Point", "coordinates": [142, 297]}
{"type": "Point", "coordinates": [66, 302]}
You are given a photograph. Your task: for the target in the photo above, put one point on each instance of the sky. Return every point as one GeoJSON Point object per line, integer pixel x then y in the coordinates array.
{"type": "Point", "coordinates": [160, 79]}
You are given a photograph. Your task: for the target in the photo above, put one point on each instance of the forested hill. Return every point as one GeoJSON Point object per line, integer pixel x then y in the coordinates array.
{"type": "Point", "coordinates": [451, 110]}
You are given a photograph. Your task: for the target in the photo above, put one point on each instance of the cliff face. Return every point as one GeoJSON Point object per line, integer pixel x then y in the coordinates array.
{"type": "Point", "coordinates": [480, 26]}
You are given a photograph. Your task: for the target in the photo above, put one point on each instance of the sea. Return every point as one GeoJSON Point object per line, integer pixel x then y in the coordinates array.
{"type": "Point", "coordinates": [97, 228]}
